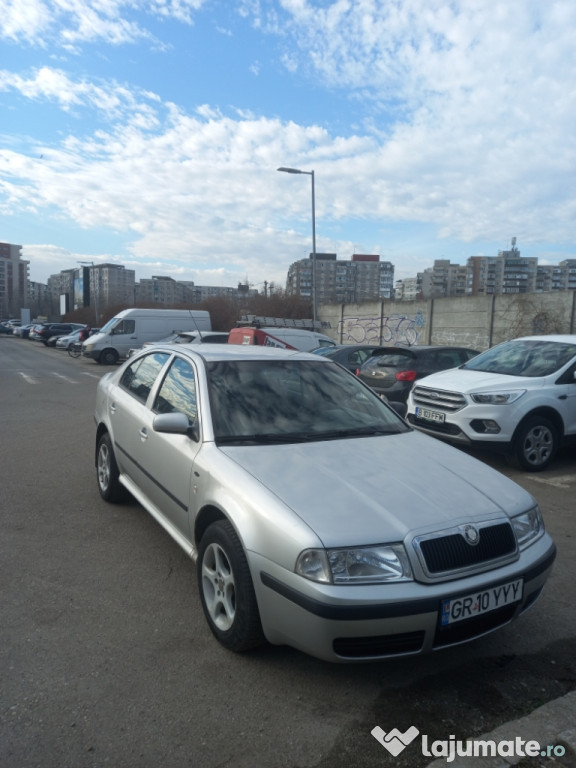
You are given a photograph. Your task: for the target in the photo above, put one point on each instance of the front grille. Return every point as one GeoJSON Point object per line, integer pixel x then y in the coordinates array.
{"type": "Point", "coordinates": [379, 645]}
{"type": "Point", "coordinates": [438, 399]}
{"type": "Point", "coordinates": [452, 552]}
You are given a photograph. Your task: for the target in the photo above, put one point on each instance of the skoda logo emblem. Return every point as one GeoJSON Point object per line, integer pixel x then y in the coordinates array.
{"type": "Point", "coordinates": [472, 535]}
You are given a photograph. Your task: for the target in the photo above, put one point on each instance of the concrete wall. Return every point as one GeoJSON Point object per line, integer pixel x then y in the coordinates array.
{"type": "Point", "coordinates": [478, 322]}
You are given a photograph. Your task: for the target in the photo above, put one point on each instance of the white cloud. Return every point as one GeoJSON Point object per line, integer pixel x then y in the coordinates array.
{"type": "Point", "coordinates": [464, 120]}
{"type": "Point", "coordinates": [111, 100]}
{"type": "Point", "coordinates": [73, 22]}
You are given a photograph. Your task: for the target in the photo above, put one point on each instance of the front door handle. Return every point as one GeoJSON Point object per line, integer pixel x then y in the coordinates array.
{"type": "Point", "coordinates": [143, 433]}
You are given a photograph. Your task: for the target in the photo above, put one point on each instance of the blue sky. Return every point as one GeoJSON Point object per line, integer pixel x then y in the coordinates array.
{"type": "Point", "coordinates": [149, 133]}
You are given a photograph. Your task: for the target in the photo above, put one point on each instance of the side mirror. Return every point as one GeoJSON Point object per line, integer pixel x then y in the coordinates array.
{"type": "Point", "coordinates": [176, 424]}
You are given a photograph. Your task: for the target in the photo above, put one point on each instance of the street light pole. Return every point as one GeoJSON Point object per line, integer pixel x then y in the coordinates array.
{"type": "Point", "coordinates": [314, 304]}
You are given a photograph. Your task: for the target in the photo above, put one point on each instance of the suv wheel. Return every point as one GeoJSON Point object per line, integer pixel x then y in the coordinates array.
{"type": "Point", "coordinates": [226, 589]}
{"type": "Point", "coordinates": [535, 444]}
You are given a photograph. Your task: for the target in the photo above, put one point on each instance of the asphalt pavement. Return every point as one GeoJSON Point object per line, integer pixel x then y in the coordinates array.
{"type": "Point", "coordinates": [552, 726]}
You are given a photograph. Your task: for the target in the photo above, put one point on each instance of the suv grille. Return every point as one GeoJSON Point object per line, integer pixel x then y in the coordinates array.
{"type": "Point", "coordinates": [453, 553]}
{"type": "Point", "coordinates": [439, 399]}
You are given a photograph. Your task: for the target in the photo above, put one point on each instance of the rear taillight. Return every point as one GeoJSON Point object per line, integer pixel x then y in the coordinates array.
{"type": "Point", "coordinates": [406, 375]}
{"type": "Point", "coordinates": [357, 371]}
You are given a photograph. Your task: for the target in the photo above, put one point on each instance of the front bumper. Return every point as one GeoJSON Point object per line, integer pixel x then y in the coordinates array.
{"type": "Point", "coordinates": [365, 623]}
{"type": "Point", "coordinates": [94, 354]}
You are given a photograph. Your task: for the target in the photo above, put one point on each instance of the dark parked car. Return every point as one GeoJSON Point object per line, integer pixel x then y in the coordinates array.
{"type": "Point", "coordinates": [392, 371]}
{"type": "Point", "coordinates": [49, 331]}
{"type": "Point", "coordinates": [351, 356]}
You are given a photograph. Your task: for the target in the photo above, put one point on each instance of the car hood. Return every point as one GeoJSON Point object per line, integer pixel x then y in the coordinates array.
{"type": "Point", "coordinates": [378, 489]}
{"type": "Point", "coordinates": [462, 380]}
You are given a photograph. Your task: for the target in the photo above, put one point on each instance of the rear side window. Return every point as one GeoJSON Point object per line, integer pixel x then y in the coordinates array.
{"type": "Point", "coordinates": [394, 360]}
{"type": "Point", "coordinates": [448, 358]}
{"type": "Point", "coordinates": [139, 377]}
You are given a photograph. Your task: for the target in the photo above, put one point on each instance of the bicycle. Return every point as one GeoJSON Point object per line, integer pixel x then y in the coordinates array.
{"type": "Point", "coordinates": [75, 349]}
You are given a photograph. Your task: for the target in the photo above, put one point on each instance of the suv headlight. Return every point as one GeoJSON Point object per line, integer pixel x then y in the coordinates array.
{"type": "Point", "coordinates": [355, 565]}
{"type": "Point", "coordinates": [529, 526]}
{"type": "Point", "coordinates": [498, 398]}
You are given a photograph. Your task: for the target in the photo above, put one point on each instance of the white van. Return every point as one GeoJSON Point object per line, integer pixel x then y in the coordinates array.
{"type": "Point", "coordinates": [133, 327]}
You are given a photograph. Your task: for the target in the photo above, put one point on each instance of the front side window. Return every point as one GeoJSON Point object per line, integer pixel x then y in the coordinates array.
{"type": "Point", "coordinates": [178, 391]}
{"type": "Point", "coordinates": [139, 376]}
{"type": "Point", "coordinates": [124, 326]}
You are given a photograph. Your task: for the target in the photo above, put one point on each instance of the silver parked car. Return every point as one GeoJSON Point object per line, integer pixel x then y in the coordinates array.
{"type": "Point", "coordinates": [317, 517]}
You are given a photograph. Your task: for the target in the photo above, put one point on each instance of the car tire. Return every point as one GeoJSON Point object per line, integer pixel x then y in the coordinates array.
{"type": "Point", "coordinates": [226, 589]}
{"type": "Point", "coordinates": [108, 357]}
{"type": "Point", "coordinates": [535, 444]}
{"type": "Point", "coordinates": [107, 474]}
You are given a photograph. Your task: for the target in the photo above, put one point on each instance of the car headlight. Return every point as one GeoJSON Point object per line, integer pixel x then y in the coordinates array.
{"type": "Point", "coordinates": [497, 398]}
{"type": "Point", "coordinates": [357, 565]}
{"type": "Point", "coordinates": [529, 526]}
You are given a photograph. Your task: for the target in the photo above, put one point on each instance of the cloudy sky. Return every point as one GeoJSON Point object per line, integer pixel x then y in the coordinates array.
{"type": "Point", "coordinates": [148, 132]}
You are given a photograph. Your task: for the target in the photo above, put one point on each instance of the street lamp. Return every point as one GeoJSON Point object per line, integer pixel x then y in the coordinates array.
{"type": "Point", "coordinates": [311, 174]}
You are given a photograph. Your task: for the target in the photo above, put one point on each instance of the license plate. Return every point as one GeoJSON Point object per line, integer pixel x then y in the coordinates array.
{"type": "Point", "coordinates": [477, 603]}
{"type": "Point", "coordinates": [428, 415]}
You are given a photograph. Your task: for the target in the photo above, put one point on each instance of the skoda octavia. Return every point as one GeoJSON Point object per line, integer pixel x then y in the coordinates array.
{"type": "Point", "coordinates": [316, 516]}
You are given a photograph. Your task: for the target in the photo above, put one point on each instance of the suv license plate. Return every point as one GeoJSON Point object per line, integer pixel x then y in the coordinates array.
{"type": "Point", "coordinates": [461, 608]}
{"type": "Point", "coordinates": [428, 415]}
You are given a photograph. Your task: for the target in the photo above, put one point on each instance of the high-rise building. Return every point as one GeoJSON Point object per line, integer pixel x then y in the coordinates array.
{"type": "Point", "coordinates": [14, 280]}
{"type": "Point", "coordinates": [362, 278]}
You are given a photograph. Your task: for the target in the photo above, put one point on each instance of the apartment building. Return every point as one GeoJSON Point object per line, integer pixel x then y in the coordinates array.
{"type": "Point", "coordinates": [362, 278]}
{"type": "Point", "coordinates": [14, 280]}
{"type": "Point", "coordinates": [164, 291]}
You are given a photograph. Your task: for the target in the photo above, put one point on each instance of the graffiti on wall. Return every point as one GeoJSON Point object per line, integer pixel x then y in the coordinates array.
{"type": "Point", "coordinates": [390, 329]}
{"type": "Point", "coordinates": [474, 340]}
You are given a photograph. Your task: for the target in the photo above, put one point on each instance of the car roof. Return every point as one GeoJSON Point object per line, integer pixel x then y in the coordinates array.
{"type": "Point", "coordinates": [565, 338]}
{"type": "Point", "coordinates": [221, 352]}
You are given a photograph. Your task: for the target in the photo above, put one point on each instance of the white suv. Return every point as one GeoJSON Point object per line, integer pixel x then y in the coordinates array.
{"type": "Point", "coordinates": [518, 397]}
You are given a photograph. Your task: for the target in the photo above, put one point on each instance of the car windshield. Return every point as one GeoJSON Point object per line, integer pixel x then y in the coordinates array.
{"type": "Point", "coordinates": [523, 358]}
{"type": "Point", "coordinates": [293, 401]}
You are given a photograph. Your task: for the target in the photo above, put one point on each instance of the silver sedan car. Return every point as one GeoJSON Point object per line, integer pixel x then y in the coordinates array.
{"type": "Point", "coordinates": [316, 516]}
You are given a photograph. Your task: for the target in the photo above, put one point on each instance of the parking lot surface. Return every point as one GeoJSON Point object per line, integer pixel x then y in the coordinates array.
{"type": "Point", "coordinates": [106, 658]}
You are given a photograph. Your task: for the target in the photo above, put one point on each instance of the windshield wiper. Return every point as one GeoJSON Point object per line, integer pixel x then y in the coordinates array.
{"type": "Point", "coordinates": [356, 432]}
{"type": "Point", "coordinates": [264, 438]}
{"type": "Point", "coordinates": [306, 437]}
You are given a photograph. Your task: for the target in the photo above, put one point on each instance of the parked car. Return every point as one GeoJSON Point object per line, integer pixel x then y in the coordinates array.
{"type": "Point", "coordinates": [63, 342]}
{"type": "Point", "coordinates": [293, 486]}
{"type": "Point", "coordinates": [351, 356]}
{"type": "Point", "coordinates": [392, 371]}
{"type": "Point", "coordinates": [47, 331]}
{"type": "Point", "coordinates": [78, 336]}
{"type": "Point", "coordinates": [518, 398]}
{"type": "Point", "coordinates": [6, 329]}
{"type": "Point", "coordinates": [23, 330]}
